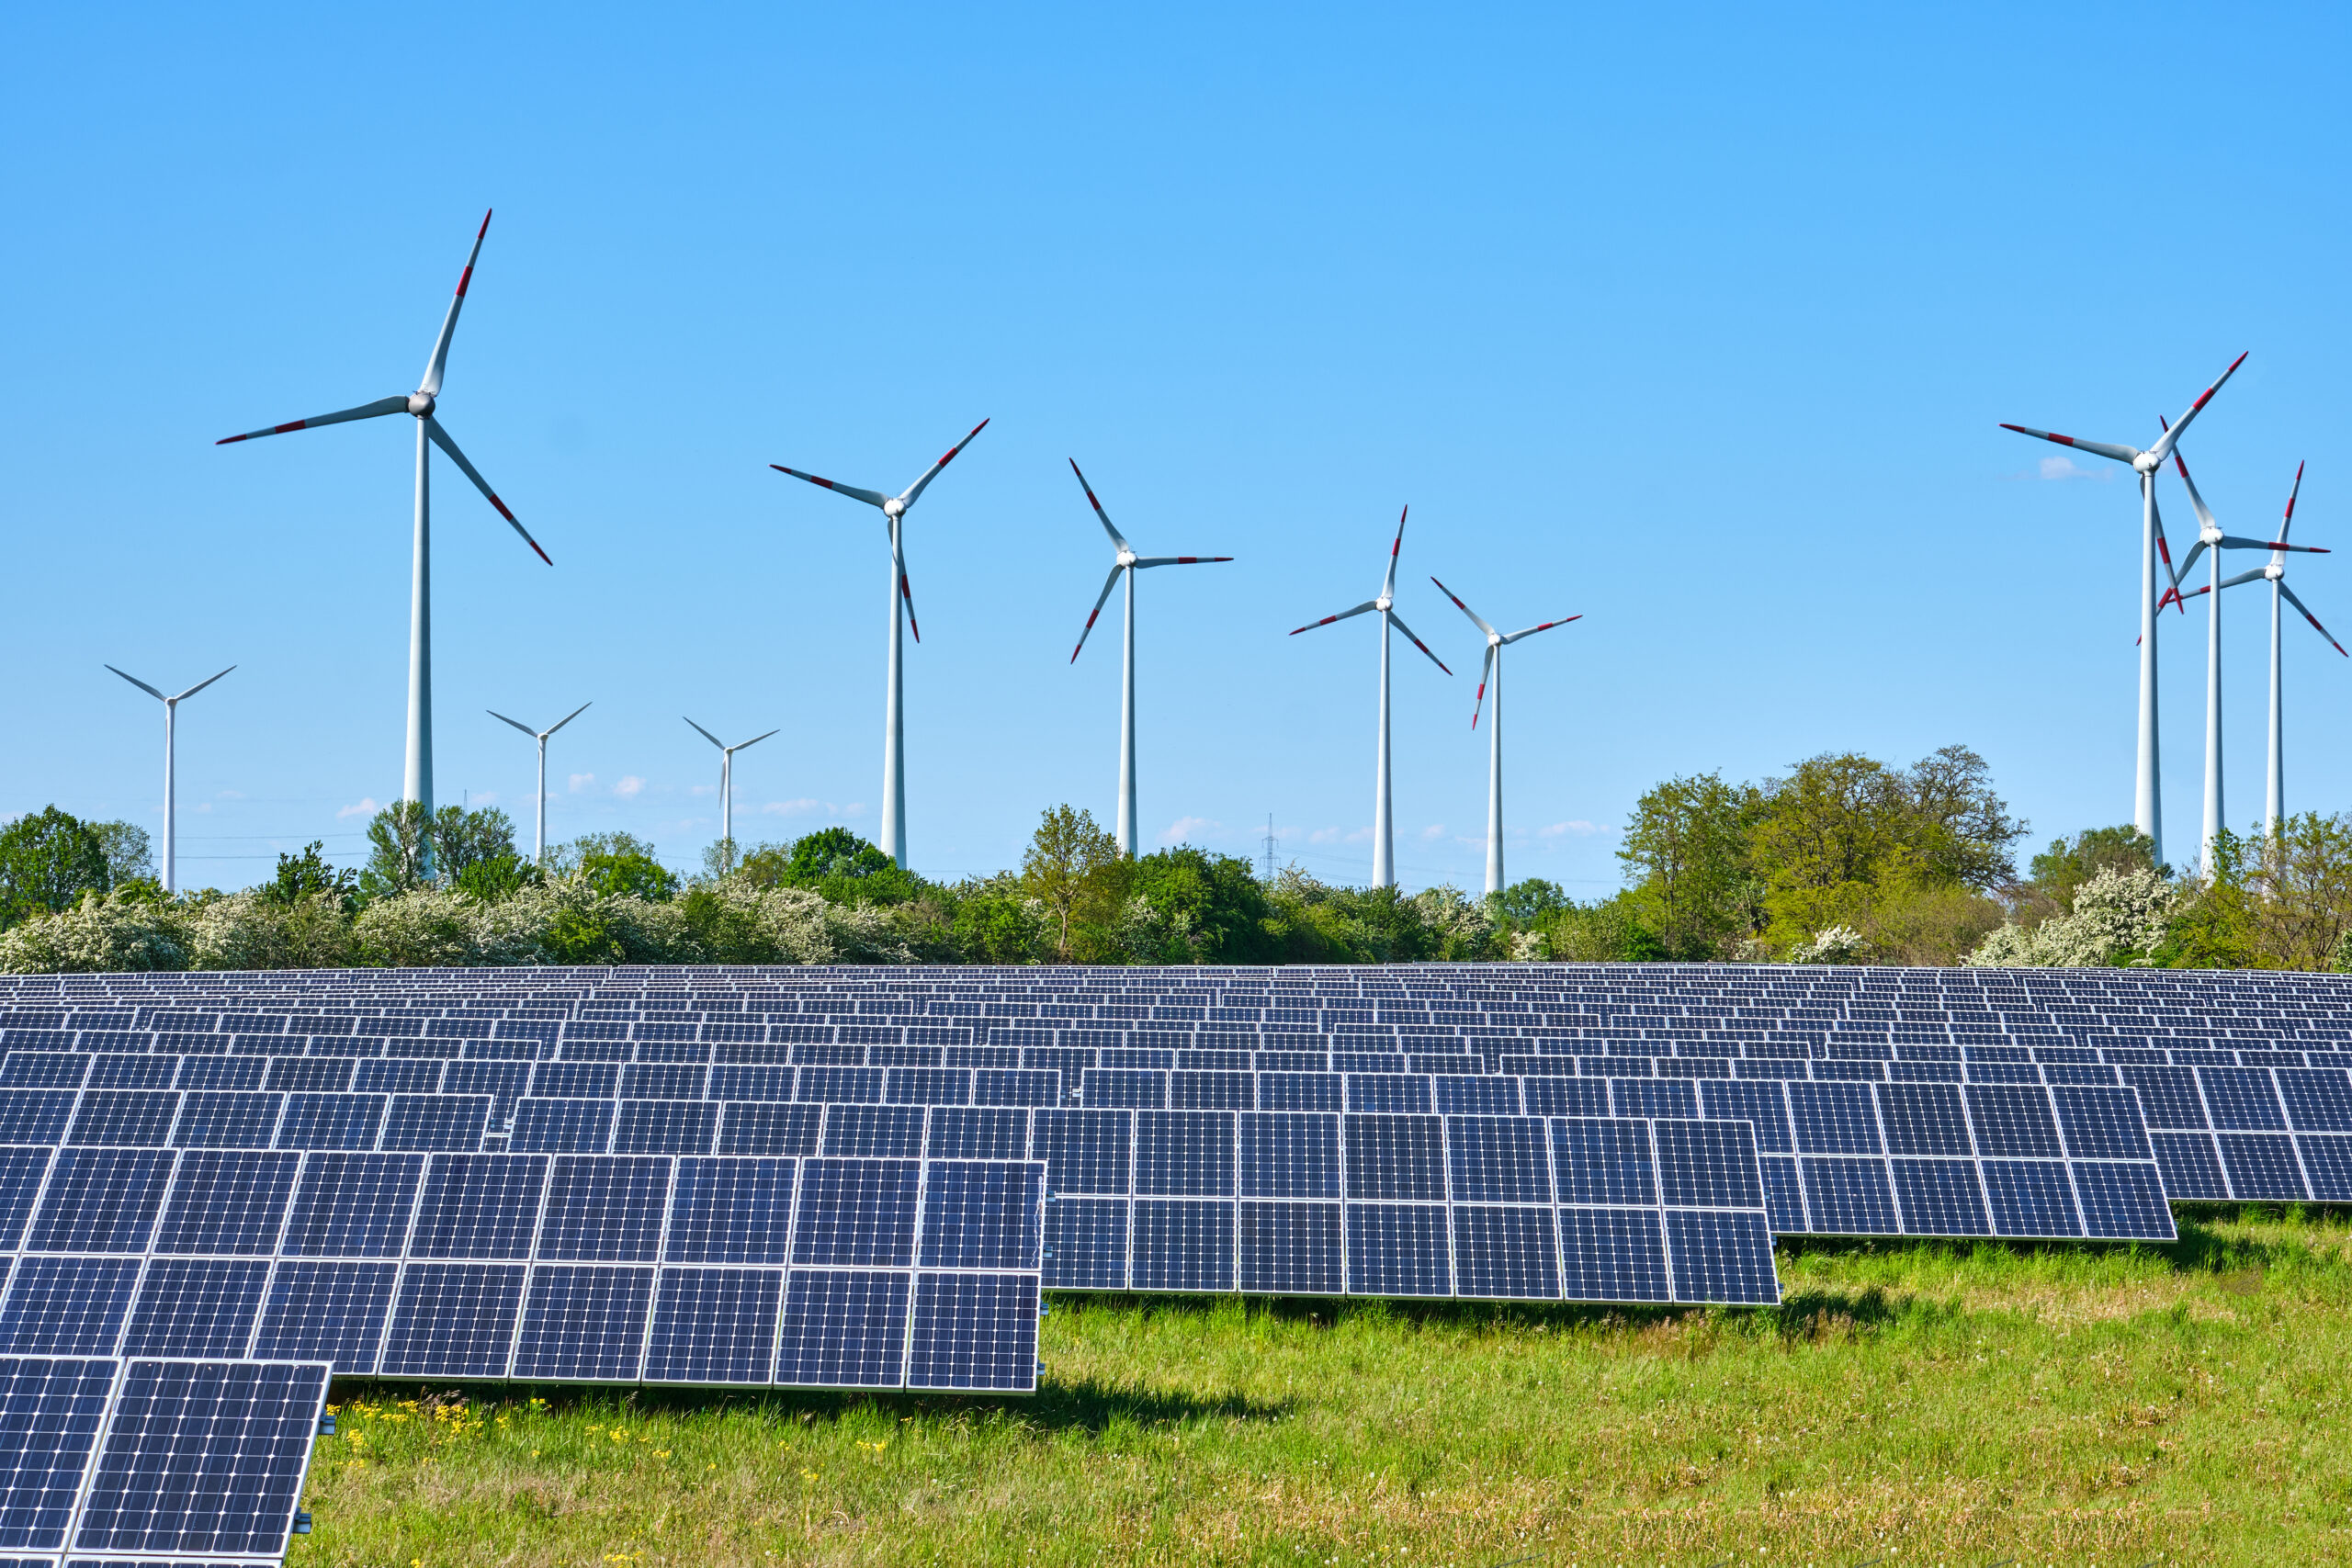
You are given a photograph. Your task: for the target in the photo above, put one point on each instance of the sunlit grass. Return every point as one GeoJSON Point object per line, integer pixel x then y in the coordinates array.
{"type": "Point", "coordinates": [1930, 1404]}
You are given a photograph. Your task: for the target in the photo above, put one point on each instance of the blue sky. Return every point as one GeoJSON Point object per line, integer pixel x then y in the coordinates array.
{"type": "Point", "coordinates": [1696, 322]}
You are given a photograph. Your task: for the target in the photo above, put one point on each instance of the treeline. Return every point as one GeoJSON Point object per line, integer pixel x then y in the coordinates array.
{"type": "Point", "coordinates": [1842, 860]}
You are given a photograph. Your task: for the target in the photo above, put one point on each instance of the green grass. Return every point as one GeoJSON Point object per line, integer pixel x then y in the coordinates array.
{"type": "Point", "coordinates": [1927, 1405]}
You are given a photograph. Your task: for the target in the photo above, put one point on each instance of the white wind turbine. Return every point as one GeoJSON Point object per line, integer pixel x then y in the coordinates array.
{"type": "Point", "coordinates": [539, 839]}
{"type": "Point", "coordinates": [727, 783]}
{"type": "Point", "coordinates": [1384, 834]}
{"type": "Point", "coordinates": [1492, 671]}
{"type": "Point", "coordinates": [416, 776]}
{"type": "Point", "coordinates": [2147, 804]}
{"type": "Point", "coordinates": [1129, 563]}
{"type": "Point", "coordinates": [2210, 537]}
{"type": "Point", "coordinates": [171, 786]}
{"type": "Point", "coordinates": [894, 765]}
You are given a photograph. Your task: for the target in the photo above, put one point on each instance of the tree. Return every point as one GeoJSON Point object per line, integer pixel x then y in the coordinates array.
{"type": "Point", "coordinates": [129, 857]}
{"type": "Point", "coordinates": [1075, 870]}
{"type": "Point", "coordinates": [463, 838]}
{"type": "Point", "coordinates": [1196, 907]}
{"type": "Point", "coordinates": [1960, 830]}
{"type": "Point", "coordinates": [48, 859]}
{"type": "Point", "coordinates": [1686, 850]}
{"type": "Point", "coordinates": [498, 878]}
{"type": "Point", "coordinates": [307, 876]}
{"type": "Point", "coordinates": [628, 872]}
{"type": "Point", "coordinates": [2070, 863]}
{"type": "Point", "coordinates": [397, 840]}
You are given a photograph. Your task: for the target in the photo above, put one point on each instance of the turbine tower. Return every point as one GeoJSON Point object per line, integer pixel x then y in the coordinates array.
{"type": "Point", "coordinates": [171, 786]}
{"type": "Point", "coordinates": [2209, 537]}
{"type": "Point", "coordinates": [416, 775]}
{"type": "Point", "coordinates": [894, 763]}
{"type": "Point", "coordinates": [1128, 562]}
{"type": "Point", "coordinates": [2147, 804]}
{"type": "Point", "coordinates": [1492, 670]}
{"type": "Point", "coordinates": [539, 841]}
{"type": "Point", "coordinates": [1384, 827]}
{"type": "Point", "coordinates": [727, 784]}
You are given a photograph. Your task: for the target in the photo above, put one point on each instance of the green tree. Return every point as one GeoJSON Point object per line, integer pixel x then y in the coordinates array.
{"type": "Point", "coordinates": [1686, 851]}
{"type": "Point", "coordinates": [129, 856]}
{"type": "Point", "coordinates": [48, 859]}
{"type": "Point", "coordinates": [1075, 870]}
{"type": "Point", "coordinates": [1188, 905]}
{"type": "Point", "coordinates": [306, 876]}
{"type": "Point", "coordinates": [399, 838]}
{"type": "Point", "coordinates": [628, 872]}
{"type": "Point", "coordinates": [2070, 863]}
{"type": "Point", "coordinates": [497, 879]}
{"type": "Point", "coordinates": [463, 838]}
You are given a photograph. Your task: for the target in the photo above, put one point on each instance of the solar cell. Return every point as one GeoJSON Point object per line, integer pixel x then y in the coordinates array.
{"type": "Point", "coordinates": [715, 1326]}
{"type": "Point", "coordinates": [731, 1210]}
{"type": "Point", "coordinates": [52, 1411]}
{"type": "Point", "coordinates": [584, 1324]}
{"type": "Point", "coordinates": [454, 1320]}
{"type": "Point", "coordinates": [100, 1200]}
{"type": "Point", "coordinates": [330, 1312]}
{"type": "Point", "coordinates": [844, 1328]}
{"type": "Point", "coordinates": [604, 1209]}
{"type": "Point", "coordinates": [66, 1307]}
{"type": "Point", "coordinates": [974, 1331]}
{"type": "Point", "coordinates": [227, 1201]}
{"type": "Point", "coordinates": [197, 1306]}
{"type": "Point", "coordinates": [479, 1206]}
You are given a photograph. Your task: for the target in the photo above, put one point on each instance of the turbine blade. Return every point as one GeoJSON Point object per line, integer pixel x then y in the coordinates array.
{"type": "Point", "coordinates": [2256, 575]}
{"type": "Point", "coordinates": [2288, 522]}
{"type": "Point", "coordinates": [142, 686]}
{"type": "Point", "coordinates": [2196, 502]}
{"type": "Point", "coordinates": [2232, 542]}
{"type": "Point", "coordinates": [519, 724]}
{"type": "Point", "coordinates": [1388, 583]}
{"type": "Point", "coordinates": [707, 735]}
{"type": "Point", "coordinates": [914, 492]}
{"type": "Point", "coordinates": [2097, 448]}
{"type": "Point", "coordinates": [1180, 560]}
{"type": "Point", "coordinates": [431, 385]}
{"type": "Point", "coordinates": [1466, 610]}
{"type": "Point", "coordinates": [2164, 545]}
{"type": "Point", "coordinates": [1395, 620]}
{"type": "Point", "coordinates": [2186, 561]}
{"type": "Point", "coordinates": [2172, 436]}
{"type": "Point", "coordinates": [199, 686]}
{"type": "Point", "coordinates": [906, 589]}
{"type": "Point", "coordinates": [1484, 668]}
{"type": "Point", "coordinates": [1546, 626]}
{"type": "Point", "coordinates": [871, 498]}
{"type": "Point", "coordinates": [1117, 542]}
{"type": "Point", "coordinates": [755, 739]}
{"type": "Point", "coordinates": [441, 439]}
{"type": "Point", "coordinates": [2323, 631]}
{"type": "Point", "coordinates": [365, 411]}
{"type": "Point", "coordinates": [1108, 584]}
{"type": "Point", "coordinates": [1367, 604]}
{"type": "Point", "coordinates": [567, 718]}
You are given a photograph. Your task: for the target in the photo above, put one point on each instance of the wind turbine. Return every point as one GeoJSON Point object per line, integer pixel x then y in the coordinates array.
{"type": "Point", "coordinates": [1383, 833]}
{"type": "Point", "coordinates": [1130, 563]}
{"type": "Point", "coordinates": [416, 775]}
{"type": "Point", "coordinates": [539, 841]}
{"type": "Point", "coordinates": [2209, 537]}
{"type": "Point", "coordinates": [1496, 642]}
{"type": "Point", "coordinates": [727, 783]}
{"type": "Point", "coordinates": [2147, 804]}
{"type": "Point", "coordinates": [894, 764]}
{"type": "Point", "coordinates": [171, 787]}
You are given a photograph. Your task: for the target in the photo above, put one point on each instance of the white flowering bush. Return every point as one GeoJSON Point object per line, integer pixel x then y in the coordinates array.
{"type": "Point", "coordinates": [1838, 945]}
{"type": "Point", "coordinates": [113, 932]}
{"type": "Point", "coordinates": [2120, 917]}
{"type": "Point", "coordinates": [246, 931]}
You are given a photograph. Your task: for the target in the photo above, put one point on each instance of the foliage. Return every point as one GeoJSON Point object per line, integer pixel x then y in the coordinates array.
{"type": "Point", "coordinates": [497, 877]}
{"type": "Point", "coordinates": [263, 928]}
{"type": "Point", "coordinates": [399, 842]}
{"type": "Point", "coordinates": [130, 855]}
{"type": "Point", "coordinates": [1838, 945]}
{"type": "Point", "coordinates": [48, 861]}
{"type": "Point", "coordinates": [462, 839]}
{"type": "Point", "coordinates": [2070, 863]}
{"type": "Point", "coordinates": [1606, 931]}
{"type": "Point", "coordinates": [1686, 853]}
{"type": "Point", "coordinates": [837, 864]}
{"type": "Point", "coordinates": [308, 875]}
{"type": "Point", "coordinates": [113, 932]}
{"type": "Point", "coordinates": [2120, 917]}
{"type": "Point", "coordinates": [1074, 869]}
{"type": "Point", "coordinates": [1189, 905]}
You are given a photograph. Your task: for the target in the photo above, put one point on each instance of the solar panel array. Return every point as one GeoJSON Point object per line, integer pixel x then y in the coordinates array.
{"type": "Point", "coordinates": [161, 1461]}
{"type": "Point", "coordinates": [1877, 1102]}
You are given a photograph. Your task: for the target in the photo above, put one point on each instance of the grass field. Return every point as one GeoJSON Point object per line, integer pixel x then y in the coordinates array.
{"type": "Point", "coordinates": [1924, 1405]}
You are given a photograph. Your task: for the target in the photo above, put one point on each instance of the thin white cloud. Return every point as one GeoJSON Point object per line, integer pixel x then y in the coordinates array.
{"type": "Point", "coordinates": [1324, 835]}
{"type": "Point", "coordinates": [1580, 828]}
{"type": "Point", "coordinates": [628, 787]}
{"type": "Point", "coordinates": [230, 795]}
{"type": "Point", "coordinates": [1435, 831]}
{"type": "Point", "coordinates": [795, 807]}
{"type": "Point", "coordinates": [583, 781]}
{"type": "Point", "coordinates": [1184, 828]}
{"type": "Point", "coordinates": [854, 808]}
{"type": "Point", "coordinates": [2060, 468]}
{"type": "Point", "coordinates": [204, 805]}
{"type": "Point", "coordinates": [365, 806]}
{"type": "Point", "coordinates": [691, 789]}
{"type": "Point", "coordinates": [1358, 836]}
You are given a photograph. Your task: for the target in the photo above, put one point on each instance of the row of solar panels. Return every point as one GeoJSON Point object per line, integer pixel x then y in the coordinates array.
{"type": "Point", "coordinates": [161, 1462]}
{"type": "Point", "coordinates": [484, 1266]}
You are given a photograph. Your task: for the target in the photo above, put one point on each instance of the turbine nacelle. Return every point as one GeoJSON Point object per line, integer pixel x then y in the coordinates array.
{"type": "Point", "coordinates": [1383, 602]}
{"type": "Point", "coordinates": [1127, 558]}
{"type": "Point", "coordinates": [2146, 463]}
{"type": "Point", "coordinates": [422, 404]}
{"type": "Point", "coordinates": [894, 509]}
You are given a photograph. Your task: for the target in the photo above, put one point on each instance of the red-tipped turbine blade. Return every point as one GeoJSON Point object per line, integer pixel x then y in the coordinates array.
{"type": "Point", "coordinates": [365, 411]}
{"type": "Point", "coordinates": [2099, 448]}
{"type": "Point", "coordinates": [1367, 604]}
{"type": "Point", "coordinates": [441, 439]}
{"type": "Point", "coordinates": [871, 498]}
{"type": "Point", "coordinates": [2323, 631]}
{"type": "Point", "coordinates": [1103, 598]}
{"type": "Point", "coordinates": [435, 365]}
{"type": "Point", "coordinates": [914, 491]}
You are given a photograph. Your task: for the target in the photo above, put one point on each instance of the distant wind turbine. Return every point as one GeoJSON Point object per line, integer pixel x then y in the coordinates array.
{"type": "Point", "coordinates": [1384, 827]}
{"type": "Point", "coordinates": [416, 777]}
{"type": "Point", "coordinates": [2147, 804]}
{"type": "Point", "coordinates": [727, 783]}
{"type": "Point", "coordinates": [894, 509]}
{"type": "Point", "coordinates": [1493, 672]}
{"type": "Point", "coordinates": [1129, 563]}
{"type": "Point", "coordinates": [171, 786]}
{"type": "Point", "coordinates": [2210, 537]}
{"type": "Point", "coordinates": [540, 841]}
